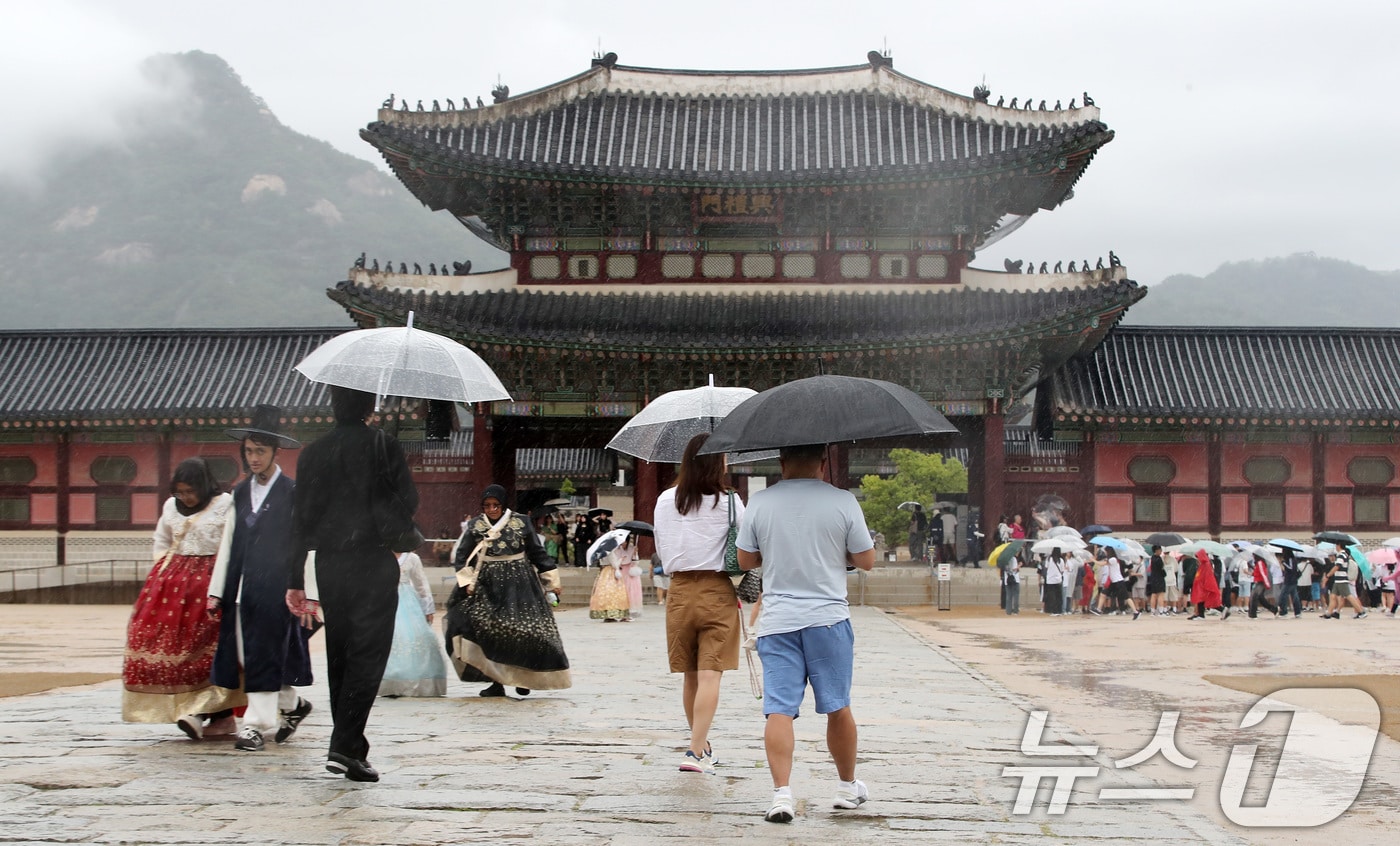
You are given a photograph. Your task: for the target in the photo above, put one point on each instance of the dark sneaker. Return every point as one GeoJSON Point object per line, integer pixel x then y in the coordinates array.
{"type": "Point", "coordinates": [496, 689]}
{"type": "Point", "coordinates": [351, 768]}
{"type": "Point", "coordinates": [1359, 616]}
{"type": "Point", "coordinates": [249, 740]}
{"type": "Point", "coordinates": [522, 691]}
{"type": "Point", "coordinates": [291, 720]}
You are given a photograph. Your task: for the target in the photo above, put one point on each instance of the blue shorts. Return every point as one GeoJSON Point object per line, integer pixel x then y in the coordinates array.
{"type": "Point", "coordinates": [821, 655]}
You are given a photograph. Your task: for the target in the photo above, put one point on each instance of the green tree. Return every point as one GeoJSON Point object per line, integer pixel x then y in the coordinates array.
{"type": "Point", "coordinates": [919, 477]}
{"type": "Point", "coordinates": [566, 488]}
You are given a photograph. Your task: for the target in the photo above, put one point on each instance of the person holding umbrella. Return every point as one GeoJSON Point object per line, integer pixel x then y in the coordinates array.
{"type": "Point", "coordinates": [615, 553]}
{"type": "Point", "coordinates": [702, 621]}
{"type": "Point", "coordinates": [804, 533]}
{"type": "Point", "coordinates": [346, 481]}
{"type": "Point", "coordinates": [499, 625]}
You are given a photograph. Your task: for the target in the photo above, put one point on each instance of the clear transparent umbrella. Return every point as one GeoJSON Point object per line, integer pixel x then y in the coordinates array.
{"type": "Point", "coordinates": [400, 361]}
{"type": "Point", "coordinates": [660, 431]}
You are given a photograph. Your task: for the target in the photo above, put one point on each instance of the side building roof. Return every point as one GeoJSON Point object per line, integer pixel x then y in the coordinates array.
{"type": "Point", "coordinates": [155, 375]}
{"type": "Point", "coordinates": [1241, 376]}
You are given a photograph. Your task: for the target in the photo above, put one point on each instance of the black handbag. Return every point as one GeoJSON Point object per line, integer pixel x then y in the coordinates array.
{"type": "Point", "coordinates": [750, 587]}
{"type": "Point", "coordinates": [392, 518]}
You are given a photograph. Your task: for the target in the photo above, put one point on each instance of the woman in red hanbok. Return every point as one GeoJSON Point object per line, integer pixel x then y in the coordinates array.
{"type": "Point", "coordinates": [171, 638]}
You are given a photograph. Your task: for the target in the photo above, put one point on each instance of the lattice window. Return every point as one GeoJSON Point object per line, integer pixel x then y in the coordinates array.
{"type": "Point", "coordinates": [677, 266]}
{"type": "Point", "coordinates": [17, 471]}
{"type": "Point", "coordinates": [894, 267]}
{"type": "Point", "coordinates": [1151, 509]}
{"type": "Point", "coordinates": [14, 509]}
{"type": "Point", "coordinates": [799, 266]}
{"type": "Point", "coordinates": [1267, 470]}
{"type": "Point", "coordinates": [717, 266]}
{"type": "Point", "coordinates": [1370, 510]}
{"type": "Point", "coordinates": [759, 266]}
{"type": "Point", "coordinates": [932, 267]}
{"type": "Point", "coordinates": [583, 267]}
{"type": "Point", "coordinates": [113, 508]}
{"type": "Point", "coordinates": [1266, 509]}
{"type": "Point", "coordinates": [112, 470]}
{"type": "Point", "coordinates": [1370, 470]}
{"type": "Point", "coordinates": [545, 267]}
{"type": "Point", "coordinates": [1151, 470]}
{"type": "Point", "coordinates": [855, 266]}
{"type": "Point", "coordinates": [622, 267]}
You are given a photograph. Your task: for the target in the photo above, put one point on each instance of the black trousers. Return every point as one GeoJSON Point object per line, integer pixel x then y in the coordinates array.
{"type": "Point", "coordinates": [359, 594]}
{"type": "Point", "coordinates": [1259, 595]}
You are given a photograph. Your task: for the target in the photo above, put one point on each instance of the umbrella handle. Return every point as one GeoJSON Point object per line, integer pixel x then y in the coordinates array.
{"type": "Point", "coordinates": [403, 353]}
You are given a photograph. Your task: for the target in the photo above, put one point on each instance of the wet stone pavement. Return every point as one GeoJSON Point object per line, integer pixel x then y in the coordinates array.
{"type": "Point", "coordinates": [593, 764]}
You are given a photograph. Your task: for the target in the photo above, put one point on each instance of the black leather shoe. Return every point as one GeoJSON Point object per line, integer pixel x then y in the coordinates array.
{"type": "Point", "coordinates": [523, 691]}
{"type": "Point", "coordinates": [351, 768]}
{"type": "Point", "coordinates": [495, 689]}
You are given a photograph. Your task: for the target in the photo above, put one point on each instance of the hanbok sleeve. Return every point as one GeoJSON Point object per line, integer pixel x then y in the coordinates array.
{"type": "Point", "coordinates": [220, 574]}
{"type": "Point", "coordinates": [163, 537]}
{"type": "Point", "coordinates": [419, 580]}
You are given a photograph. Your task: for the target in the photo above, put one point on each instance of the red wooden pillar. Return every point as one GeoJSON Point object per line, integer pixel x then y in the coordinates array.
{"type": "Point", "coordinates": [62, 459]}
{"type": "Point", "coordinates": [994, 470]}
{"type": "Point", "coordinates": [1319, 482]}
{"type": "Point", "coordinates": [1213, 476]}
{"type": "Point", "coordinates": [644, 492]}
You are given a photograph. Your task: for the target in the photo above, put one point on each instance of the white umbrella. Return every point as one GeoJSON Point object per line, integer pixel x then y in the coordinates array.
{"type": "Point", "coordinates": [661, 431]}
{"type": "Point", "coordinates": [401, 361]}
{"type": "Point", "coordinates": [1132, 550]}
{"type": "Point", "coordinates": [1045, 546]}
{"type": "Point", "coordinates": [600, 548]}
{"type": "Point", "coordinates": [1391, 543]}
{"type": "Point", "coordinates": [1062, 532]}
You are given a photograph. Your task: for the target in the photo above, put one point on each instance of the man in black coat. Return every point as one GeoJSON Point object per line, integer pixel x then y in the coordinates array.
{"type": "Point", "coordinates": [344, 480]}
{"type": "Point", "coordinates": [260, 635]}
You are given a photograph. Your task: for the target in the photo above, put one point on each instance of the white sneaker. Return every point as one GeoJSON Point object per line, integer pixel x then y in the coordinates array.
{"type": "Point", "coordinates": [848, 798]}
{"type": "Point", "coordinates": [781, 809]}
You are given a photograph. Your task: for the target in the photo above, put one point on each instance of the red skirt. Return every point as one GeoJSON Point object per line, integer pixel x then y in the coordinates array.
{"type": "Point", "coordinates": [171, 638]}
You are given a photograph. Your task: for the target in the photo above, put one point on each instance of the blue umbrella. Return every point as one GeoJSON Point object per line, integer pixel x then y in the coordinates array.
{"type": "Point", "coordinates": [1285, 543]}
{"type": "Point", "coordinates": [1105, 540]}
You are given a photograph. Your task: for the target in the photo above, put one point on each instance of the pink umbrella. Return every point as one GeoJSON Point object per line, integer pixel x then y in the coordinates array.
{"type": "Point", "coordinates": [1384, 555]}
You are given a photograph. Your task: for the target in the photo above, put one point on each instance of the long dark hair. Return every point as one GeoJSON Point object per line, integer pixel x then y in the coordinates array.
{"type": "Point", "coordinates": [700, 476]}
{"type": "Point", "coordinates": [195, 472]}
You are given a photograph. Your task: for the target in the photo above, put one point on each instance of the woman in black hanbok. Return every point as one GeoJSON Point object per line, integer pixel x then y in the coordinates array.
{"type": "Point", "coordinates": [499, 624]}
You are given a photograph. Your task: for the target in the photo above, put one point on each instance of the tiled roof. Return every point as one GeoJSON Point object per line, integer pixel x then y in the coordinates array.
{"type": "Point", "coordinates": [1282, 374]}
{"type": "Point", "coordinates": [773, 128]}
{"type": "Point", "coordinates": [735, 322]}
{"type": "Point", "coordinates": [154, 374]}
{"type": "Point", "coordinates": [573, 464]}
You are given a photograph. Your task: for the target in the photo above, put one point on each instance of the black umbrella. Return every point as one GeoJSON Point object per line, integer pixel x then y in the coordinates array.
{"type": "Point", "coordinates": [1339, 538]}
{"type": "Point", "coordinates": [1165, 539]}
{"type": "Point", "coordinates": [1096, 529]}
{"type": "Point", "coordinates": [824, 410]}
{"type": "Point", "coordinates": [637, 527]}
{"type": "Point", "coordinates": [542, 512]}
{"type": "Point", "coordinates": [599, 512]}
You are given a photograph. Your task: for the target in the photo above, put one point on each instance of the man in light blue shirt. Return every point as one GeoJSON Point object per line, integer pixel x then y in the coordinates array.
{"type": "Point", "coordinates": [805, 533]}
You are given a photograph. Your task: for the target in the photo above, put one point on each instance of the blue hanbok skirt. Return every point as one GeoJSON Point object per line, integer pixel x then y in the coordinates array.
{"type": "Point", "coordinates": [417, 666]}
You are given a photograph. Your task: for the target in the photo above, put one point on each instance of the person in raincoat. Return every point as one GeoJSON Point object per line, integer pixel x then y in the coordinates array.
{"type": "Point", "coordinates": [1205, 591]}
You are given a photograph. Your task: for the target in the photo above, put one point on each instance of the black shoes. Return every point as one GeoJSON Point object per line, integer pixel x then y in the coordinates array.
{"type": "Point", "coordinates": [350, 768]}
{"type": "Point", "coordinates": [249, 740]}
{"type": "Point", "coordinates": [291, 719]}
{"type": "Point", "coordinates": [523, 691]}
{"type": "Point", "coordinates": [494, 690]}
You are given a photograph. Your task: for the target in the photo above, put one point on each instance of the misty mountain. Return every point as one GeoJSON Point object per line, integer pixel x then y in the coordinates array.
{"type": "Point", "coordinates": [1300, 290]}
{"type": "Point", "coordinates": [219, 216]}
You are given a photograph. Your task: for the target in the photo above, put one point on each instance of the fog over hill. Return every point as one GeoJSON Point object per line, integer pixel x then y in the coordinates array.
{"type": "Point", "coordinates": [187, 203]}
{"type": "Point", "coordinates": [1299, 290]}
{"type": "Point", "coordinates": [202, 209]}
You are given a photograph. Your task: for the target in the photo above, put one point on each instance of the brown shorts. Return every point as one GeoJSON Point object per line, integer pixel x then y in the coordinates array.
{"type": "Point", "coordinates": [702, 622]}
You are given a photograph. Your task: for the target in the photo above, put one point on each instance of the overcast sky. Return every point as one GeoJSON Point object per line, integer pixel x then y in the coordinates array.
{"type": "Point", "coordinates": [1245, 130]}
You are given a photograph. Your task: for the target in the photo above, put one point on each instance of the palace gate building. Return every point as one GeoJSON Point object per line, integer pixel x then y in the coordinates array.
{"type": "Point", "coordinates": [664, 226]}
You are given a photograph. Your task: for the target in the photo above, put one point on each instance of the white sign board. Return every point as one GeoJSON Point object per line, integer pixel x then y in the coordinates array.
{"type": "Point", "coordinates": [945, 571]}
